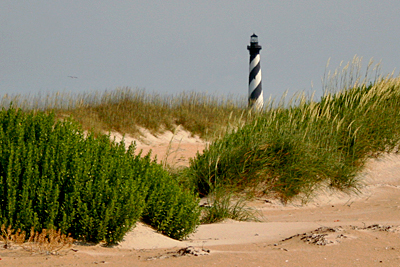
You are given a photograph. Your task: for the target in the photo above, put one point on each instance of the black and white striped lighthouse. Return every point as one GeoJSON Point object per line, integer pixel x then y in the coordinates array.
{"type": "Point", "coordinates": [255, 90]}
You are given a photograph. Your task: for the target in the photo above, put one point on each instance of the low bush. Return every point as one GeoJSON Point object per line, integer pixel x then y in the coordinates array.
{"type": "Point", "coordinates": [54, 176]}
{"type": "Point", "coordinates": [169, 209]}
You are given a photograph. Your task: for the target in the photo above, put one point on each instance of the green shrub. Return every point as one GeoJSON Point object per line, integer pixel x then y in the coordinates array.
{"type": "Point", "coordinates": [54, 176]}
{"type": "Point", "coordinates": [171, 210]}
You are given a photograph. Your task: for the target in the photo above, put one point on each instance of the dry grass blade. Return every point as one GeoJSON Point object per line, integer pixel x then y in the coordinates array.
{"type": "Point", "coordinates": [48, 241]}
{"type": "Point", "coordinates": [170, 151]}
{"type": "Point", "coordinates": [6, 236]}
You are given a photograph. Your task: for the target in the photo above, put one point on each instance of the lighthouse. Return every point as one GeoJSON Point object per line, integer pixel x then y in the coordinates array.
{"type": "Point", "coordinates": [255, 90]}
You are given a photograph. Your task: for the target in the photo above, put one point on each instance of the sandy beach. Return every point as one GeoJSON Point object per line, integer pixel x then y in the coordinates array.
{"type": "Point", "coordinates": [334, 229]}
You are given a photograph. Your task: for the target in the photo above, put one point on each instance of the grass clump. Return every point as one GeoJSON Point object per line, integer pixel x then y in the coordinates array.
{"type": "Point", "coordinates": [53, 175]}
{"type": "Point", "coordinates": [224, 205]}
{"type": "Point", "coordinates": [291, 151]}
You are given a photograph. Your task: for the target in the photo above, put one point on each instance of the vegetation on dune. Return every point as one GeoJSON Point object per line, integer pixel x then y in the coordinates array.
{"type": "Point", "coordinates": [55, 175]}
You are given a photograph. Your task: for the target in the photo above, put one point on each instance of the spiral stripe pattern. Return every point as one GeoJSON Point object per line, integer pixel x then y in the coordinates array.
{"type": "Point", "coordinates": [255, 88]}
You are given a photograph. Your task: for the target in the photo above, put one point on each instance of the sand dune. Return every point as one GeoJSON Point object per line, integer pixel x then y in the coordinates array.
{"type": "Point", "coordinates": [334, 229]}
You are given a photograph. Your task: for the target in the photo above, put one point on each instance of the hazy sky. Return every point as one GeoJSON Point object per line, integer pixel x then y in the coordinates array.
{"type": "Point", "coordinates": [172, 46]}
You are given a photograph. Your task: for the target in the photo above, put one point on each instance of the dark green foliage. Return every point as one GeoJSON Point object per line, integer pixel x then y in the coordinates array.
{"type": "Point", "coordinates": [53, 176]}
{"type": "Point", "coordinates": [171, 210]}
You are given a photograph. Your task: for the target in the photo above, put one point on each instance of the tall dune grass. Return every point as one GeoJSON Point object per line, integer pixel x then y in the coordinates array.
{"type": "Point", "coordinates": [126, 110]}
{"type": "Point", "coordinates": [291, 150]}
